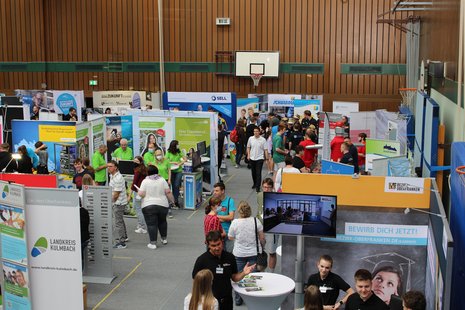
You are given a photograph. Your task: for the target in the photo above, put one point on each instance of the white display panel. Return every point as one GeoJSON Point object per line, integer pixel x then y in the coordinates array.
{"type": "Point", "coordinates": [255, 60]}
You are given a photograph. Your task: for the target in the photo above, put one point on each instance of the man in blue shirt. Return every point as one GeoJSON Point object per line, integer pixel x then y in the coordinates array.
{"type": "Point", "coordinates": [225, 213]}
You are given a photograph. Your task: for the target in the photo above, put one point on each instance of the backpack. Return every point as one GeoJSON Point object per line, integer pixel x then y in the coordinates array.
{"type": "Point", "coordinates": [233, 136]}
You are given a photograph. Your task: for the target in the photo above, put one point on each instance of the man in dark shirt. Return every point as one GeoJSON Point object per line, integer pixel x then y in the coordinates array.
{"type": "Point", "coordinates": [71, 116]}
{"type": "Point", "coordinates": [346, 156]}
{"type": "Point", "coordinates": [224, 268]}
{"type": "Point", "coordinates": [364, 299]}
{"type": "Point", "coordinates": [329, 283]}
{"type": "Point", "coordinates": [353, 152]}
{"type": "Point", "coordinates": [298, 159]}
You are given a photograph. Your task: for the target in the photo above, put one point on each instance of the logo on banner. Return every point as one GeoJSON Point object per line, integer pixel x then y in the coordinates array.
{"type": "Point", "coordinates": [5, 192]}
{"type": "Point", "coordinates": [220, 98]}
{"type": "Point", "coordinates": [40, 247]}
{"type": "Point", "coordinates": [404, 185]}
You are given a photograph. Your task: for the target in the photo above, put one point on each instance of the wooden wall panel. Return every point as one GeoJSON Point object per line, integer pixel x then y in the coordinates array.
{"type": "Point", "coordinates": [331, 32]}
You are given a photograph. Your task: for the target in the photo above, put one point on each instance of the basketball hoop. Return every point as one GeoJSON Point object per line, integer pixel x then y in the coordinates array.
{"type": "Point", "coordinates": [256, 78]}
{"type": "Point", "coordinates": [408, 95]}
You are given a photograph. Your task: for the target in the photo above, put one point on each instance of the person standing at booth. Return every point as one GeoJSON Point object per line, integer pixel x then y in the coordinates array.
{"type": "Point", "coordinates": [175, 157]}
{"type": "Point", "coordinates": [100, 165]}
{"type": "Point", "coordinates": [140, 172]}
{"type": "Point", "coordinates": [71, 116]}
{"type": "Point", "coordinates": [329, 283]}
{"type": "Point", "coordinates": [225, 213]}
{"type": "Point", "coordinates": [336, 153]}
{"type": "Point", "coordinates": [362, 151]}
{"type": "Point", "coordinates": [119, 202]}
{"type": "Point", "coordinates": [42, 154]}
{"type": "Point", "coordinates": [257, 152]}
{"type": "Point", "coordinates": [7, 163]}
{"type": "Point", "coordinates": [123, 152]}
{"type": "Point", "coordinates": [164, 170]}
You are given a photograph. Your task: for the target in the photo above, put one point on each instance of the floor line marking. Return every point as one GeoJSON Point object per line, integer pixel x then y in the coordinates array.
{"type": "Point", "coordinates": [123, 257]}
{"type": "Point", "coordinates": [193, 213]}
{"type": "Point", "coordinates": [116, 287]}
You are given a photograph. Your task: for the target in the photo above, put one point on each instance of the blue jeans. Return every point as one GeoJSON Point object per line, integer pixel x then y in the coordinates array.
{"type": "Point", "coordinates": [136, 203]}
{"type": "Point", "coordinates": [241, 262]}
{"type": "Point", "coordinates": [239, 153]}
{"type": "Point", "coordinates": [176, 179]}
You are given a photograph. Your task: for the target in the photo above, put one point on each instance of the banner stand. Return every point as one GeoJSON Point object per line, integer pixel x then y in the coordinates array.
{"type": "Point", "coordinates": [98, 261]}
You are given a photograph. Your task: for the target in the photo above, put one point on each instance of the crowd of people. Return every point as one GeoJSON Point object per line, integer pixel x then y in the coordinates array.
{"type": "Point", "coordinates": [285, 145]}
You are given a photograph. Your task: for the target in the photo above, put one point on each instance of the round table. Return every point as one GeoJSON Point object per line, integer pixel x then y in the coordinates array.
{"type": "Point", "coordinates": [275, 288]}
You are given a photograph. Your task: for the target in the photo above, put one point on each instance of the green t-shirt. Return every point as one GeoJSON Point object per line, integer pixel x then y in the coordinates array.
{"type": "Point", "coordinates": [163, 168]}
{"type": "Point", "coordinates": [124, 155]}
{"type": "Point", "coordinates": [97, 161]}
{"type": "Point", "coordinates": [149, 158]}
{"type": "Point", "coordinates": [278, 143]}
{"type": "Point", "coordinates": [175, 158]}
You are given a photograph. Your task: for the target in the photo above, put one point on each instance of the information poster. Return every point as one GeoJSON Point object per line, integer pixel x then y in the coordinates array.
{"type": "Point", "coordinates": [12, 223]}
{"type": "Point", "coordinates": [189, 131]}
{"type": "Point", "coordinates": [82, 140]}
{"type": "Point", "coordinates": [222, 103]}
{"type": "Point", "coordinates": [66, 99]}
{"type": "Point", "coordinates": [118, 101]}
{"type": "Point", "coordinates": [117, 128]}
{"type": "Point", "coordinates": [54, 244]}
{"type": "Point", "coordinates": [331, 167]}
{"type": "Point", "coordinates": [245, 104]}
{"type": "Point", "coordinates": [301, 105]}
{"type": "Point", "coordinates": [380, 149]}
{"type": "Point", "coordinates": [98, 133]}
{"type": "Point", "coordinates": [345, 108]}
{"type": "Point", "coordinates": [16, 284]}
{"type": "Point", "coordinates": [154, 129]}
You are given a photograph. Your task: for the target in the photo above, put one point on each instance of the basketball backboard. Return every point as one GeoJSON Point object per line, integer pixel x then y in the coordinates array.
{"type": "Point", "coordinates": [257, 62]}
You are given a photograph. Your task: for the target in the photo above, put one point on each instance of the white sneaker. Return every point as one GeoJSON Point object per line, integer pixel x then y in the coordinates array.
{"type": "Point", "coordinates": [236, 166]}
{"type": "Point", "coordinates": [152, 246]}
{"type": "Point", "coordinates": [140, 230]}
{"type": "Point", "coordinates": [164, 241]}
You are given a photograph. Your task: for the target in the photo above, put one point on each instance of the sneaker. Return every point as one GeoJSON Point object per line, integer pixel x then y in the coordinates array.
{"type": "Point", "coordinates": [170, 216]}
{"type": "Point", "coordinates": [119, 245]}
{"type": "Point", "coordinates": [140, 230]}
{"type": "Point", "coordinates": [236, 166]}
{"type": "Point", "coordinates": [152, 246]}
{"type": "Point", "coordinates": [164, 241]}
{"type": "Point", "coordinates": [126, 239]}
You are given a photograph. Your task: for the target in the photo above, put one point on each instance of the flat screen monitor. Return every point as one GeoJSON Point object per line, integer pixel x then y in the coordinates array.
{"type": "Point", "coordinates": [196, 161]}
{"type": "Point", "coordinates": [10, 100]}
{"type": "Point", "coordinates": [202, 147]}
{"type": "Point", "coordinates": [126, 167]}
{"type": "Point", "coordinates": [300, 214]}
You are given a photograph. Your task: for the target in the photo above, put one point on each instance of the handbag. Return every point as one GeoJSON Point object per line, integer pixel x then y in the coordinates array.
{"type": "Point", "coordinates": [262, 258]}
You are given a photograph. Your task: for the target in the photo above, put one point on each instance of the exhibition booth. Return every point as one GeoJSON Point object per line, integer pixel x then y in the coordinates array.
{"type": "Point", "coordinates": [365, 222]}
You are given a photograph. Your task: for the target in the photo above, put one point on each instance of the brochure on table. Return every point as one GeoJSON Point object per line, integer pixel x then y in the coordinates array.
{"type": "Point", "coordinates": [118, 100]}
{"type": "Point", "coordinates": [189, 128]}
{"type": "Point", "coordinates": [54, 248]}
{"type": "Point", "coordinates": [16, 273]}
{"type": "Point", "coordinates": [224, 103]}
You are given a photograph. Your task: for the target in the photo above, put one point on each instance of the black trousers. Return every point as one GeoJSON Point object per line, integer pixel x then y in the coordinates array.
{"type": "Point", "coordinates": [256, 168]}
{"type": "Point", "coordinates": [225, 303]}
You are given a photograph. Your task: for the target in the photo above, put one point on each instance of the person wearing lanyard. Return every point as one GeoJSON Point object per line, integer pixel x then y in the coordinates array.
{"type": "Point", "coordinates": [224, 268]}
{"type": "Point", "coordinates": [329, 283]}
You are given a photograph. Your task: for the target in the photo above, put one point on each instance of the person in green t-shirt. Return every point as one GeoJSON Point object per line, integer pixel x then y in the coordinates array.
{"type": "Point", "coordinates": [149, 157]}
{"type": "Point", "coordinates": [123, 152]}
{"type": "Point", "coordinates": [279, 151]}
{"type": "Point", "coordinates": [100, 165]}
{"type": "Point", "coordinates": [175, 157]}
{"type": "Point", "coordinates": [163, 165]}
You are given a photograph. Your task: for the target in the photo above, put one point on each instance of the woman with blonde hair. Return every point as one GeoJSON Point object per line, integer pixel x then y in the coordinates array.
{"type": "Point", "coordinates": [244, 231]}
{"type": "Point", "coordinates": [201, 297]}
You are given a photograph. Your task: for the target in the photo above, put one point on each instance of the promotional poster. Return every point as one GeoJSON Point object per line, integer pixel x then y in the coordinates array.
{"type": "Point", "coordinates": [223, 103]}
{"type": "Point", "coordinates": [117, 128]}
{"type": "Point", "coordinates": [154, 129]}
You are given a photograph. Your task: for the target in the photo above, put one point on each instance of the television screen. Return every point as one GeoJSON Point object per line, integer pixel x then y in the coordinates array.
{"type": "Point", "coordinates": [196, 161]}
{"type": "Point", "coordinates": [300, 214]}
{"type": "Point", "coordinates": [202, 147]}
{"type": "Point", "coordinates": [126, 167]}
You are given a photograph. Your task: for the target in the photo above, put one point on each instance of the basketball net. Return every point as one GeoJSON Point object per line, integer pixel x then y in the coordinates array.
{"type": "Point", "coordinates": [408, 95]}
{"type": "Point", "coordinates": [256, 78]}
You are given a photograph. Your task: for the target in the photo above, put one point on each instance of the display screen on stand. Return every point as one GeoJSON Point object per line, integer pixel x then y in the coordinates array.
{"type": "Point", "coordinates": [300, 214]}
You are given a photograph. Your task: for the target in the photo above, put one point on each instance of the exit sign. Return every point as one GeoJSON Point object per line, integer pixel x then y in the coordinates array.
{"type": "Point", "coordinates": [93, 82]}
